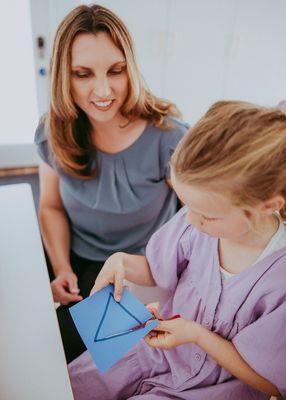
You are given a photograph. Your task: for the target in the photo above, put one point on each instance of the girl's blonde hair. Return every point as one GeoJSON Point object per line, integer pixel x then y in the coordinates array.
{"type": "Point", "coordinates": [236, 148]}
{"type": "Point", "coordinates": [68, 126]}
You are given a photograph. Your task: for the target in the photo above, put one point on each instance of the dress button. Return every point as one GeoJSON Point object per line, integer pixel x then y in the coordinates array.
{"type": "Point", "coordinates": [207, 321]}
{"type": "Point", "coordinates": [198, 357]}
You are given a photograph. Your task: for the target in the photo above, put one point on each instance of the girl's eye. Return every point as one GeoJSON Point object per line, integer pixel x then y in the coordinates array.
{"type": "Point", "coordinates": [209, 219]}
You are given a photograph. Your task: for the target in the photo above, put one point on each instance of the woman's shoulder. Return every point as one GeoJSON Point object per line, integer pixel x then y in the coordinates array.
{"type": "Point", "coordinates": [177, 124]}
{"type": "Point", "coordinates": [173, 127]}
{"type": "Point", "coordinates": [169, 135]}
{"type": "Point", "coordinates": [42, 144]}
{"type": "Point", "coordinates": [41, 134]}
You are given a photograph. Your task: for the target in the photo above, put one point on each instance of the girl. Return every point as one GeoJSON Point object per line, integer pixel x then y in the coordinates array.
{"type": "Point", "coordinates": [105, 145]}
{"type": "Point", "coordinates": [223, 259]}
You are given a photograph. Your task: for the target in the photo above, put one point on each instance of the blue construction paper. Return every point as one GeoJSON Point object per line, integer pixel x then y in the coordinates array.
{"type": "Point", "coordinates": [100, 316]}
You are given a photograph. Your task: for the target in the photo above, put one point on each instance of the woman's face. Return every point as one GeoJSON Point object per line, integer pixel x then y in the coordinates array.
{"type": "Point", "coordinates": [99, 81]}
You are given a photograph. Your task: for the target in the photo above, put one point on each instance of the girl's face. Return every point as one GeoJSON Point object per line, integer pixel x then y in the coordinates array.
{"type": "Point", "coordinates": [99, 81]}
{"type": "Point", "coordinates": [211, 212]}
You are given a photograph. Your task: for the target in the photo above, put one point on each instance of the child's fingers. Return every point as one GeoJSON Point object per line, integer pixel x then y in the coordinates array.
{"type": "Point", "coordinates": [162, 327]}
{"type": "Point", "coordinates": [100, 283]}
{"type": "Point", "coordinates": [126, 284]}
{"type": "Point", "coordinates": [158, 341]}
{"type": "Point", "coordinates": [168, 325]}
{"type": "Point", "coordinates": [157, 315]}
{"type": "Point", "coordinates": [149, 339]}
{"type": "Point", "coordinates": [118, 285]}
{"type": "Point", "coordinates": [150, 307]}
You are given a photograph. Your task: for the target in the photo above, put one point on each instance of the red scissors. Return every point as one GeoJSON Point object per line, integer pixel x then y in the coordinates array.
{"type": "Point", "coordinates": [141, 326]}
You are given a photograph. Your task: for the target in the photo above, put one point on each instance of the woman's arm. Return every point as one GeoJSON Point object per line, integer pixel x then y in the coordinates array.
{"type": "Point", "coordinates": [56, 235]}
{"type": "Point", "coordinates": [53, 220]}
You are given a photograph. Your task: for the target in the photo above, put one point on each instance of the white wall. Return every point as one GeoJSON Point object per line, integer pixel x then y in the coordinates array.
{"type": "Point", "coordinates": [196, 52]}
{"type": "Point", "coordinates": [192, 52]}
{"type": "Point", "coordinates": [18, 104]}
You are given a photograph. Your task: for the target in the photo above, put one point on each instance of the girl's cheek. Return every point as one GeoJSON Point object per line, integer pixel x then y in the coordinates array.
{"type": "Point", "coordinates": [190, 218]}
{"type": "Point", "coordinates": [195, 220]}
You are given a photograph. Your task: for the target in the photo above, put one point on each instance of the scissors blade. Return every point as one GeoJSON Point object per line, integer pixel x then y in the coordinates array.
{"type": "Point", "coordinates": [134, 328]}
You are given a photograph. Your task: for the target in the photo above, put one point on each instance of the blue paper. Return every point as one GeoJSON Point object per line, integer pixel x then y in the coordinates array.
{"type": "Point", "coordinates": [102, 324]}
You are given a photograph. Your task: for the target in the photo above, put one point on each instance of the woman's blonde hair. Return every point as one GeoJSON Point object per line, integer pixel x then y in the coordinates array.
{"type": "Point", "coordinates": [68, 126]}
{"type": "Point", "coordinates": [236, 148]}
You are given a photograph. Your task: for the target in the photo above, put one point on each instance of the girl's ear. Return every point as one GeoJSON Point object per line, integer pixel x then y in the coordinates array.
{"type": "Point", "coordinates": [273, 204]}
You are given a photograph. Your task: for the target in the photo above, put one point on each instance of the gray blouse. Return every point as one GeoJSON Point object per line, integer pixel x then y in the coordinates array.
{"type": "Point", "coordinates": [129, 200]}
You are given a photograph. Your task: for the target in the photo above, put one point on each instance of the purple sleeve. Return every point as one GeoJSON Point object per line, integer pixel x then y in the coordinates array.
{"type": "Point", "coordinates": [167, 253]}
{"type": "Point", "coordinates": [262, 344]}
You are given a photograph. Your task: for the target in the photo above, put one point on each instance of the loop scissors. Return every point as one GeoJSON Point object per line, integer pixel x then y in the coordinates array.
{"type": "Point", "coordinates": [141, 326]}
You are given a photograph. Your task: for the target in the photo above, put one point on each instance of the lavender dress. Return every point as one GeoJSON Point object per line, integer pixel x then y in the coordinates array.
{"type": "Point", "coordinates": [248, 309]}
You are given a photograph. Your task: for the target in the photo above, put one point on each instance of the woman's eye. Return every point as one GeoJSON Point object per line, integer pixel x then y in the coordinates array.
{"type": "Point", "coordinates": [81, 74]}
{"type": "Point", "coordinates": [115, 71]}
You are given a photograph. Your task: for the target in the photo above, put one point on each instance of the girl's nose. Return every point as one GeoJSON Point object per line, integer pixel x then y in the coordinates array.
{"type": "Point", "coordinates": [101, 89]}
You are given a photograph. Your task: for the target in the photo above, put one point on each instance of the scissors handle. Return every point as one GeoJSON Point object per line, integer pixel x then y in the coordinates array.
{"type": "Point", "coordinates": [140, 326]}
{"type": "Point", "coordinates": [173, 317]}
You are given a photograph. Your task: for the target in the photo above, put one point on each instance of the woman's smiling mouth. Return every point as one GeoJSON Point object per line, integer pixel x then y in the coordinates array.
{"type": "Point", "coordinates": [103, 105]}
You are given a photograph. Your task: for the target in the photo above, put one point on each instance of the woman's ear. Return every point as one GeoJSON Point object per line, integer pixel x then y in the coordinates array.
{"type": "Point", "coordinates": [273, 204]}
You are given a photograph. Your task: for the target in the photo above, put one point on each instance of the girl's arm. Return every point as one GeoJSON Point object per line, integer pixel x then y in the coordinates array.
{"type": "Point", "coordinates": [225, 354]}
{"type": "Point", "coordinates": [138, 270]}
{"type": "Point", "coordinates": [122, 266]}
{"type": "Point", "coordinates": [169, 334]}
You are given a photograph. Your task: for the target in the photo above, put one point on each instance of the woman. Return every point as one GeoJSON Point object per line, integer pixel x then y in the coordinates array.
{"type": "Point", "coordinates": [105, 146]}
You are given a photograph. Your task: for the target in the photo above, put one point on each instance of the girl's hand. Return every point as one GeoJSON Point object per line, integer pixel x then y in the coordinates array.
{"type": "Point", "coordinates": [113, 271]}
{"type": "Point", "coordinates": [173, 333]}
{"type": "Point", "coordinates": [153, 309]}
{"type": "Point", "coordinates": [65, 289]}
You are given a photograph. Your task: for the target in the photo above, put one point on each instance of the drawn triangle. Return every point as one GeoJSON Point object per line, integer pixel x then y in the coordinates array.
{"type": "Point", "coordinates": [114, 311]}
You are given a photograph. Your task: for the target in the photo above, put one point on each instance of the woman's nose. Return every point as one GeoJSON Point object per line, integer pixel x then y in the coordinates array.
{"type": "Point", "coordinates": [101, 88]}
